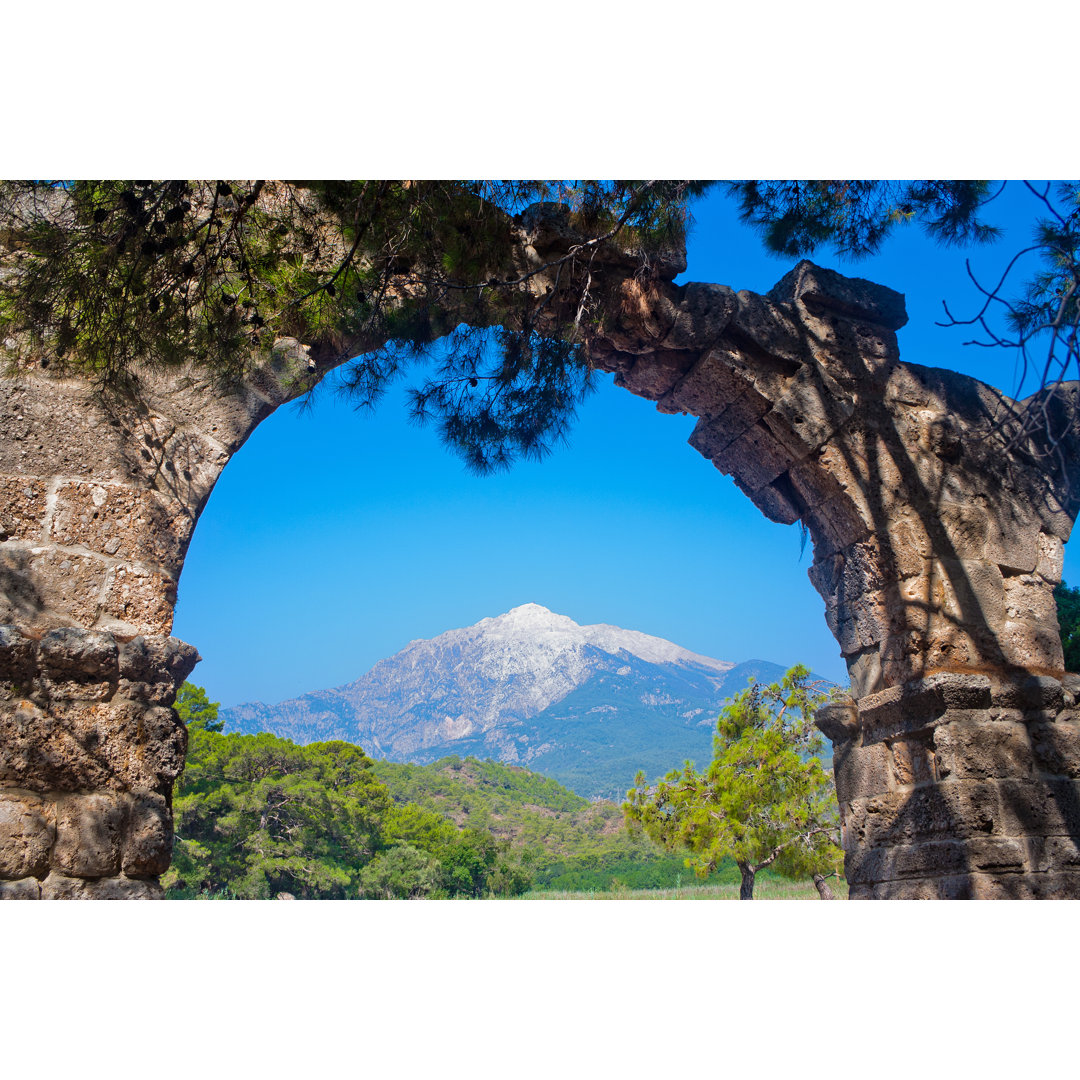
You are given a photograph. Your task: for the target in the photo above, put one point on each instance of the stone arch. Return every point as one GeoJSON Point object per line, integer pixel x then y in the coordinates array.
{"type": "Point", "coordinates": [937, 543]}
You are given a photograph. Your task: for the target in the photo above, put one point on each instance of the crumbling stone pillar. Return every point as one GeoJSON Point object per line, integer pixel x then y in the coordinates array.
{"type": "Point", "coordinates": [98, 499]}
{"type": "Point", "coordinates": [938, 530]}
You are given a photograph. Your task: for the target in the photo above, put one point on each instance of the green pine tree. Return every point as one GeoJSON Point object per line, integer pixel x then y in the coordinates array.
{"type": "Point", "coordinates": [764, 801]}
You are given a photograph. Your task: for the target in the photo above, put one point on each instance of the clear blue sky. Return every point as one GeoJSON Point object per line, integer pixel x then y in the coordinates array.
{"type": "Point", "coordinates": [335, 537]}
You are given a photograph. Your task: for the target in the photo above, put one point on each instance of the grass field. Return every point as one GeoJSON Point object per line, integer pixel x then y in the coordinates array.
{"type": "Point", "coordinates": [764, 889]}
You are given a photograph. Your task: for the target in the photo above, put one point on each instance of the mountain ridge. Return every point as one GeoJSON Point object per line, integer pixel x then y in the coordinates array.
{"type": "Point", "coordinates": [587, 705]}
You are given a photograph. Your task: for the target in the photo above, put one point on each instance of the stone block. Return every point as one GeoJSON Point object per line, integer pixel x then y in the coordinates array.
{"type": "Point", "coordinates": [1056, 886]}
{"type": "Point", "coordinates": [25, 889]}
{"type": "Point", "coordinates": [78, 745]}
{"type": "Point", "coordinates": [838, 721]}
{"type": "Point", "coordinates": [22, 508]}
{"type": "Point", "coordinates": [973, 885]}
{"type": "Point", "coordinates": [903, 386]}
{"type": "Point", "coordinates": [18, 660]}
{"type": "Point", "coordinates": [27, 832]}
{"type": "Point", "coordinates": [966, 528]}
{"type": "Point", "coordinates": [773, 327]}
{"type": "Point", "coordinates": [157, 659]}
{"type": "Point", "coordinates": [983, 749]}
{"type": "Point", "coordinates": [837, 515]}
{"type": "Point", "coordinates": [912, 761]}
{"type": "Point", "coordinates": [996, 854]}
{"type": "Point", "coordinates": [139, 601]}
{"type": "Point", "coordinates": [148, 837]}
{"type": "Point", "coordinates": [1029, 596]}
{"type": "Point", "coordinates": [224, 411]}
{"type": "Point", "coordinates": [58, 886]}
{"type": "Point", "coordinates": [58, 429]}
{"type": "Point", "coordinates": [1051, 558]}
{"type": "Point", "coordinates": [909, 545]}
{"type": "Point", "coordinates": [1030, 693]}
{"type": "Point", "coordinates": [1039, 807]}
{"type": "Point", "coordinates": [1005, 886]}
{"type": "Point", "coordinates": [68, 585]}
{"type": "Point", "coordinates": [1054, 854]}
{"type": "Point", "coordinates": [954, 810]}
{"type": "Point", "coordinates": [703, 313]}
{"type": "Point", "coordinates": [166, 744]}
{"type": "Point", "coordinates": [860, 771]}
{"type": "Point", "coordinates": [865, 672]}
{"type": "Point", "coordinates": [73, 652]}
{"type": "Point", "coordinates": [190, 467]}
{"type": "Point", "coordinates": [774, 501]}
{"type": "Point", "coordinates": [1056, 747]}
{"type": "Point", "coordinates": [968, 591]}
{"type": "Point", "coordinates": [755, 458]}
{"type": "Point", "coordinates": [1013, 537]}
{"type": "Point", "coordinates": [956, 690]}
{"type": "Point", "coordinates": [89, 829]}
{"type": "Point", "coordinates": [655, 373]}
{"type": "Point", "coordinates": [810, 411]}
{"type": "Point", "coordinates": [854, 297]}
{"type": "Point", "coordinates": [1032, 645]}
{"type": "Point", "coordinates": [122, 522]}
{"type": "Point", "coordinates": [868, 624]}
{"type": "Point", "coordinates": [709, 387]}
{"type": "Point", "coordinates": [922, 703]}
{"type": "Point", "coordinates": [884, 864]}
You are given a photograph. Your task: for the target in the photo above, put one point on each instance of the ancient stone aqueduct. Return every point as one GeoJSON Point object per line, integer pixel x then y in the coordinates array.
{"type": "Point", "coordinates": [936, 550]}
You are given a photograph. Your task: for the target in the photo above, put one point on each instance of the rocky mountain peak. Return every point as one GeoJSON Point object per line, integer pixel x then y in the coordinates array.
{"type": "Point", "coordinates": [527, 686]}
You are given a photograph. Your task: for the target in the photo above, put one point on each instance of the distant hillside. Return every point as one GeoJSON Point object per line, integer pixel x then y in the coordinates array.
{"type": "Point", "coordinates": [587, 705]}
{"type": "Point", "coordinates": [565, 841]}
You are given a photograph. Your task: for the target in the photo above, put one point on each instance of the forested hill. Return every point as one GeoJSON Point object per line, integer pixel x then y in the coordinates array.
{"type": "Point", "coordinates": [257, 816]}
{"type": "Point", "coordinates": [565, 841]}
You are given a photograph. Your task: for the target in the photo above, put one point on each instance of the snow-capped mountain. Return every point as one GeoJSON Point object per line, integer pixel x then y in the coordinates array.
{"type": "Point", "coordinates": [589, 705]}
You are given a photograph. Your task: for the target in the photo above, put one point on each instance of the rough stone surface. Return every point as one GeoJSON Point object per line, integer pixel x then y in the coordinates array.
{"type": "Point", "coordinates": [89, 829]}
{"type": "Point", "coordinates": [147, 847]}
{"type": "Point", "coordinates": [25, 889]}
{"type": "Point", "coordinates": [58, 886]}
{"type": "Point", "coordinates": [27, 833]}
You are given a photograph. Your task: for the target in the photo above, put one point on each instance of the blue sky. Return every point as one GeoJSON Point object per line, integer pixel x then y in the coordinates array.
{"type": "Point", "coordinates": [335, 537]}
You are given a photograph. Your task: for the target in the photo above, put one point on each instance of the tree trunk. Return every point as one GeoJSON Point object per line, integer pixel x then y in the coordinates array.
{"type": "Point", "coordinates": [746, 886]}
{"type": "Point", "coordinates": [822, 886]}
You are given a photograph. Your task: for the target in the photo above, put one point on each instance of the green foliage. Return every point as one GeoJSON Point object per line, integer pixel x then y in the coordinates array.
{"type": "Point", "coordinates": [546, 833]}
{"type": "Point", "coordinates": [196, 709]}
{"type": "Point", "coordinates": [111, 274]}
{"type": "Point", "coordinates": [764, 801]}
{"type": "Point", "coordinates": [400, 873]}
{"type": "Point", "coordinates": [256, 815]}
{"type": "Point", "coordinates": [794, 217]}
{"type": "Point", "coordinates": [1068, 614]}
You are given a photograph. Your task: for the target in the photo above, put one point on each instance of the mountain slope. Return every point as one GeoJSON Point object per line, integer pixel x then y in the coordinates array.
{"type": "Point", "coordinates": [588, 705]}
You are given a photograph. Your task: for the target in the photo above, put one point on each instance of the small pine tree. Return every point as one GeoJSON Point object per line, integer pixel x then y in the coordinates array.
{"type": "Point", "coordinates": [764, 801]}
{"type": "Point", "coordinates": [195, 708]}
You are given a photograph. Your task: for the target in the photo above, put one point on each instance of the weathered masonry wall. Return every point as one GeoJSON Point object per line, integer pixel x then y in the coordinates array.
{"type": "Point", "coordinates": [937, 545]}
{"type": "Point", "coordinates": [98, 501]}
{"type": "Point", "coordinates": [938, 538]}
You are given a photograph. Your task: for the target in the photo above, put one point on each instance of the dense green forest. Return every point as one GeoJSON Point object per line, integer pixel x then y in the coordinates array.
{"type": "Point", "coordinates": [257, 816]}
